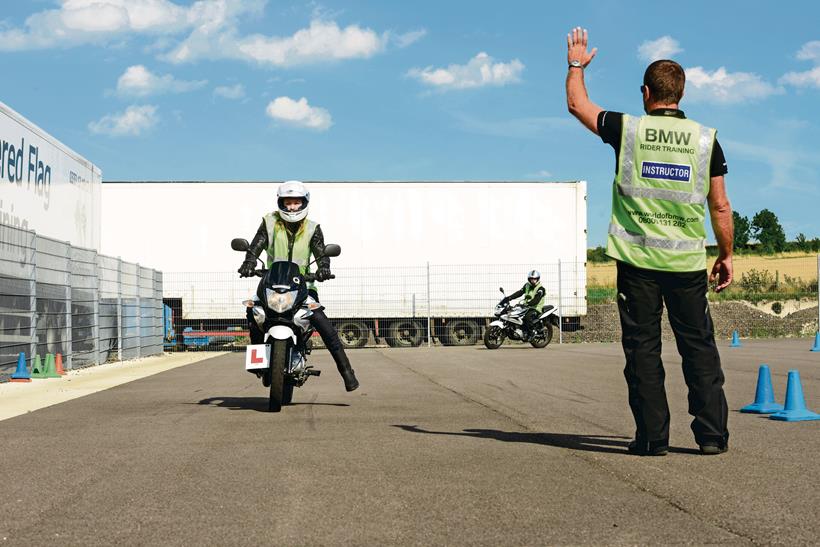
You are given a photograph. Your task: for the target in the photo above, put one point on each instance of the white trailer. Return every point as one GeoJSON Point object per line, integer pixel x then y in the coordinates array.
{"type": "Point", "coordinates": [417, 257]}
{"type": "Point", "coordinates": [45, 186]}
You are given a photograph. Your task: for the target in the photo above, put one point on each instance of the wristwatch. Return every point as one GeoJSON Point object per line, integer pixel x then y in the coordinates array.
{"type": "Point", "coordinates": [575, 63]}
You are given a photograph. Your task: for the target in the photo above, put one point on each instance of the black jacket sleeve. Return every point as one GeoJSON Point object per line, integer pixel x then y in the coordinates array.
{"type": "Point", "coordinates": [259, 243]}
{"type": "Point", "coordinates": [517, 294]}
{"type": "Point", "coordinates": [317, 247]}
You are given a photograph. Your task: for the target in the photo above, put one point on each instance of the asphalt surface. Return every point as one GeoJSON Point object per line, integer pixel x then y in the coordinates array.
{"type": "Point", "coordinates": [447, 446]}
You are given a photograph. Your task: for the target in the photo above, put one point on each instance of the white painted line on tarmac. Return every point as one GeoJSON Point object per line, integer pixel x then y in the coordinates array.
{"type": "Point", "coordinates": [19, 398]}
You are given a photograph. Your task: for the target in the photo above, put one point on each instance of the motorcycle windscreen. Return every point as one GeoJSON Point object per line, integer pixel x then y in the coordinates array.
{"type": "Point", "coordinates": [284, 273]}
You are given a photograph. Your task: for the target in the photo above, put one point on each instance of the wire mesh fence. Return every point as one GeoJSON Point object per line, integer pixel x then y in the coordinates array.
{"type": "Point", "coordinates": [56, 298]}
{"type": "Point", "coordinates": [434, 304]}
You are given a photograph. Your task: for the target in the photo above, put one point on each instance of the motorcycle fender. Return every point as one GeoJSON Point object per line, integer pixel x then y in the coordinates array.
{"type": "Point", "coordinates": [282, 332]}
{"type": "Point", "coordinates": [546, 314]}
{"type": "Point", "coordinates": [257, 356]}
{"type": "Point", "coordinates": [497, 324]}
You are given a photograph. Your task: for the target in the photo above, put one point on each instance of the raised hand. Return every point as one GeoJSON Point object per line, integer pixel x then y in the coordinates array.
{"type": "Point", "coordinates": [577, 47]}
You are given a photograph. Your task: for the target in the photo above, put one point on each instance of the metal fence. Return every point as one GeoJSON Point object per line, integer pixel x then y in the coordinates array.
{"type": "Point", "coordinates": [429, 304]}
{"type": "Point", "coordinates": [91, 308]}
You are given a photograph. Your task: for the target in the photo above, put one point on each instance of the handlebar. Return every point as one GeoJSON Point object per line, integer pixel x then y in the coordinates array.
{"type": "Point", "coordinates": [310, 278]}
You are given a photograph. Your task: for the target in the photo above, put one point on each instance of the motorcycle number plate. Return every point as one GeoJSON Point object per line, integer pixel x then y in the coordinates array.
{"type": "Point", "coordinates": [257, 356]}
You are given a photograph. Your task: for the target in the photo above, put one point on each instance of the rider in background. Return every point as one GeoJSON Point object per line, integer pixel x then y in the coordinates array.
{"type": "Point", "coordinates": [287, 234]}
{"type": "Point", "coordinates": [534, 299]}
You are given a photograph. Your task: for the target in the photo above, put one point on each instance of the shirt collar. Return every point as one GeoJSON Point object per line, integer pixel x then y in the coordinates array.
{"type": "Point", "coordinates": [674, 112]}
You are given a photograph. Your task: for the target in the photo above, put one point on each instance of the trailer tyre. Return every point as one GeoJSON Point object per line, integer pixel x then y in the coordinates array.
{"type": "Point", "coordinates": [404, 333]}
{"type": "Point", "coordinates": [461, 332]}
{"type": "Point", "coordinates": [353, 334]}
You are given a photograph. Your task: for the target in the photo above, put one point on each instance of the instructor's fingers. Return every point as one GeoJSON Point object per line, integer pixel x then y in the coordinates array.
{"type": "Point", "coordinates": [569, 41]}
{"type": "Point", "coordinates": [592, 53]}
{"type": "Point", "coordinates": [584, 38]}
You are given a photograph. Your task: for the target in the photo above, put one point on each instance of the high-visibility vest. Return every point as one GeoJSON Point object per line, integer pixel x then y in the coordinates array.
{"type": "Point", "coordinates": [659, 194]}
{"type": "Point", "coordinates": [529, 292]}
{"type": "Point", "coordinates": [279, 247]}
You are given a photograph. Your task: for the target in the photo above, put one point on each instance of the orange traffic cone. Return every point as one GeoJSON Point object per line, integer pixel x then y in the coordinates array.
{"type": "Point", "coordinates": [58, 364]}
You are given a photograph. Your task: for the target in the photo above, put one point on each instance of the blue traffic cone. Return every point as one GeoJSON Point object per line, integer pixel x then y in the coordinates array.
{"type": "Point", "coordinates": [735, 340]}
{"type": "Point", "coordinates": [21, 374]}
{"type": "Point", "coordinates": [795, 410]}
{"type": "Point", "coordinates": [764, 396]}
{"type": "Point", "coordinates": [816, 342]}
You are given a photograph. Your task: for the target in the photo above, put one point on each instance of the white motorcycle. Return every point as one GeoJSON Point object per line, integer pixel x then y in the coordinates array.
{"type": "Point", "coordinates": [510, 324]}
{"type": "Point", "coordinates": [282, 309]}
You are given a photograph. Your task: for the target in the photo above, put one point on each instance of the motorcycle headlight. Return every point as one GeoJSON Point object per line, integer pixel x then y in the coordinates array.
{"type": "Point", "coordinates": [280, 301]}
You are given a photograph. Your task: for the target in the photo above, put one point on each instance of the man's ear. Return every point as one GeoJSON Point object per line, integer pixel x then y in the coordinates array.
{"type": "Point", "coordinates": [646, 93]}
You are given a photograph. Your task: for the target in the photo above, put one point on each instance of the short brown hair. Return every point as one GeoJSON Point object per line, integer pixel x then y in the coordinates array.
{"type": "Point", "coordinates": [665, 80]}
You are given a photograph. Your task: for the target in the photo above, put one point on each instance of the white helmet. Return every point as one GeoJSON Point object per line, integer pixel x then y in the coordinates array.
{"type": "Point", "coordinates": [292, 189]}
{"type": "Point", "coordinates": [534, 274]}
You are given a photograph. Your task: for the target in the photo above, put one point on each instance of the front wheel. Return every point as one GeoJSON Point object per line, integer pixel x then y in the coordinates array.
{"type": "Point", "coordinates": [543, 338]}
{"type": "Point", "coordinates": [493, 337]}
{"type": "Point", "coordinates": [278, 357]}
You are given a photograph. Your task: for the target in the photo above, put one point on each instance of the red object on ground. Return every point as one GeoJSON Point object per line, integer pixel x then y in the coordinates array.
{"type": "Point", "coordinates": [58, 364]}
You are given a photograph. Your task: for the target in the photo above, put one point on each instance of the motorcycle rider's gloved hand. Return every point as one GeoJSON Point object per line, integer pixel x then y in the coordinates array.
{"type": "Point", "coordinates": [323, 274]}
{"type": "Point", "coordinates": [247, 268]}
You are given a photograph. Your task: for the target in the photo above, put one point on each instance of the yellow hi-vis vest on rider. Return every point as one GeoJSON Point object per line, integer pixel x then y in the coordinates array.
{"type": "Point", "coordinates": [278, 246]}
{"type": "Point", "coordinates": [659, 194]}
{"type": "Point", "coordinates": [529, 292]}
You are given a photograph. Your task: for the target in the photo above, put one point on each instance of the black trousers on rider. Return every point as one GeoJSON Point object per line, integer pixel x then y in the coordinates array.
{"type": "Point", "coordinates": [323, 326]}
{"type": "Point", "coordinates": [530, 317]}
{"type": "Point", "coordinates": [641, 297]}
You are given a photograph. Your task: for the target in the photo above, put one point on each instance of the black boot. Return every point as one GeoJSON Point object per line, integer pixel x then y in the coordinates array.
{"type": "Point", "coordinates": [343, 365]}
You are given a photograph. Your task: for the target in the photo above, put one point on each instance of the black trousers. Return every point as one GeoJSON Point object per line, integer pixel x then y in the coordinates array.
{"type": "Point", "coordinates": [641, 297]}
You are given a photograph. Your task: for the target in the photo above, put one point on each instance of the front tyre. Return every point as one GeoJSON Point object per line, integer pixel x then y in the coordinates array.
{"type": "Point", "coordinates": [493, 337]}
{"type": "Point", "coordinates": [278, 357]}
{"type": "Point", "coordinates": [544, 337]}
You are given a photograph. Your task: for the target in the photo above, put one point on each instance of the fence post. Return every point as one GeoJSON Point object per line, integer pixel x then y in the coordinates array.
{"type": "Point", "coordinates": [96, 307]}
{"type": "Point", "coordinates": [429, 312]}
{"type": "Point", "coordinates": [139, 311]}
{"type": "Point", "coordinates": [119, 309]}
{"type": "Point", "coordinates": [560, 306]}
{"type": "Point", "coordinates": [818, 293]}
{"type": "Point", "coordinates": [68, 358]}
{"type": "Point", "coordinates": [33, 297]}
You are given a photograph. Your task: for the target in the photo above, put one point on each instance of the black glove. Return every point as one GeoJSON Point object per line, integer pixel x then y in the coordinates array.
{"type": "Point", "coordinates": [247, 268]}
{"type": "Point", "coordinates": [323, 274]}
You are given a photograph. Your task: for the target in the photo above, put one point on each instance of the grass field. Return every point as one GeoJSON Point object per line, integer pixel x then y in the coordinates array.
{"type": "Point", "coordinates": [795, 265]}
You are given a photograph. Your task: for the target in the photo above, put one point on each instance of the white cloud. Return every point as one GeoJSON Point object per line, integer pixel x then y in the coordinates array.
{"type": "Point", "coordinates": [404, 40]}
{"type": "Point", "coordinates": [138, 81]}
{"type": "Point", "coordinates": [479, 71]}
{"type": "Point", "coordinates": [725, 87]}
{"type": "Point", "coordinates": [78, 22]}
{"type": "Point", "coordinates": [299, 113]}
{"type": "Point", "coordinates": [134, 121]}
{"type": "Point", "coordinates": [233, 92]}
{"type": "Point", "coordinates": [540, 174]}
{"type": "Point", "coordinates": [663, 48]}
{"type": "Point", "coordinates": [810, 52]}
{"type": "Point", "coordinates": [809, 78]}
{"type": "Point", "coordinates": [321, 41]}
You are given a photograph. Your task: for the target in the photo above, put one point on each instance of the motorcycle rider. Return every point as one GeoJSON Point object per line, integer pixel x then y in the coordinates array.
{"type": "Point", "coordinates": [287, 234]}
{"type": "Point", "coordinates": [534, 297]}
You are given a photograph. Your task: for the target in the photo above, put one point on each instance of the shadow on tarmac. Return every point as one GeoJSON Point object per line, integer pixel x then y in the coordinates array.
{"type": "Point", "coordinates": [611, 444]}
{"type": "Point", "coordinates": [259, 404]}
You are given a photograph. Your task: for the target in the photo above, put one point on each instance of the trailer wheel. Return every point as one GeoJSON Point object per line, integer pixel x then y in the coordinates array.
{"type": "Point", "coordinates": [353, 334]}
{"type": "Point", "coordinates": [461, 332]}
{"type": "Point", "coordinates": [404, 333]}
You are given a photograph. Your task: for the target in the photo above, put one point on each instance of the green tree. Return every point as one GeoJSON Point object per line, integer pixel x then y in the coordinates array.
{"type": "Point", "coordinates": [598, 254]}
{"type": "Point", "coordinates": [742, 229]}
{"type": "Point", "coordinates": [802, 243]}
{"type": "Point", "coordinates": [767, 230]}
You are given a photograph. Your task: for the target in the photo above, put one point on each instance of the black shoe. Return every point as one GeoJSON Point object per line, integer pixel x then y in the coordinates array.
{"type": "Point", "coordinates": [655, 448]}
{"type": "Point", "coordinates": [713, 449]}
{"type": "Point", "coordinates": [349, 377]}
{"type": "Point", "coordinates": [266, 378]}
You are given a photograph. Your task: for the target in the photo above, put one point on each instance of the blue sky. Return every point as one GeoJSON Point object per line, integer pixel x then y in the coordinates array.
{"type": "Point", "coordinates": [363, 90]}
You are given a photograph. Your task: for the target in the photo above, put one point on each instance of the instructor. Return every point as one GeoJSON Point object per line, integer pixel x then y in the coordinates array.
{"type": "Point", "coordinates": [667, 167]}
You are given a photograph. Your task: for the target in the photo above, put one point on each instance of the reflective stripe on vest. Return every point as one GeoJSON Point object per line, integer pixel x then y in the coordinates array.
{"type": "Point", "coordinates": [657, 243]}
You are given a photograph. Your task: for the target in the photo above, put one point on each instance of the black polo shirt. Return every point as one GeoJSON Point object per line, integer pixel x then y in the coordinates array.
{"type": "Point", "coordinates": [610, 127]}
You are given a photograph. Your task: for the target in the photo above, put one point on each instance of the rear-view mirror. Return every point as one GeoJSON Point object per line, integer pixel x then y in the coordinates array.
{"type": "Point", "coordinates": [332, 249]}
{"type": "Point", "coordinates": [239, 244]}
